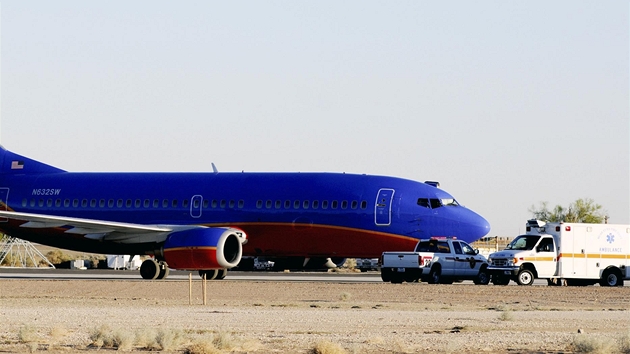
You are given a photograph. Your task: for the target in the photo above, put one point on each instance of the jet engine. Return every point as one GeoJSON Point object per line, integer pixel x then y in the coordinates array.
{"type": "Point", "coordinates": [204, 248]}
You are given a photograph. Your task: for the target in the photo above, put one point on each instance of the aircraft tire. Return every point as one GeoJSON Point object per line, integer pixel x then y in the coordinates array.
{"type": "Point", "coordinates": [149, 269]}
{"type": "Point", "coordinates": [164, 270]}
{"type": "Point", "coordinates": [210, 274]}
{"type": "Point", "coordinates": [222, 274]}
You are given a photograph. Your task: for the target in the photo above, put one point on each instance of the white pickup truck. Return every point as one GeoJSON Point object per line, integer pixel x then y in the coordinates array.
{"type": "Point", "coordinates": [436, 261]}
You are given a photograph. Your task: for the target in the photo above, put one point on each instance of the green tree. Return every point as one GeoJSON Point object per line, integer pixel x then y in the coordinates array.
{"type": "Point", "coordinates": [582, 210]}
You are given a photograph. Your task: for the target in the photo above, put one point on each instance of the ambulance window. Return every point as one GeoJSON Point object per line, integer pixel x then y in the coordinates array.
{"type": "Point", "coordinates": [457, 247]}
{"type": "Point", "coordinates": [545, 245]}
{"type": "Point", "coordinates": [435, 203]}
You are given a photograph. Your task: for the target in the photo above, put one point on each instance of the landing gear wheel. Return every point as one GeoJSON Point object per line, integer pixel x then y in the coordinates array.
{"type": "Point", "coordinates": [483, 278]}
{"type": "Point", "coordinates": [150, 269]}
{"type": "Point", "coordinates": [500, 280]}
{"type": "Point", "coordinates": [163, 270]}
{"type": "Point", "coordinates": [210, 274]}
{"type": "Point", "coordinates": [222, 274]}
{"type": "Point", "coordinates": [525, 277]}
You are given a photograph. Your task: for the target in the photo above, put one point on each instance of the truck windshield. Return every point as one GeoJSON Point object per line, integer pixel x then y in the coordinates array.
{"type": "Point", "coordinates": [523, 242]}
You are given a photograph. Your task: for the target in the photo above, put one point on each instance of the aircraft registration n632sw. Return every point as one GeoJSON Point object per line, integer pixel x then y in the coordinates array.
{"type": "Point", "coordinates": [208, 221]}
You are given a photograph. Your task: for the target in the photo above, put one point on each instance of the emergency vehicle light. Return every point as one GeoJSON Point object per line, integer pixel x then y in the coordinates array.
{"type": "Point", "coordinates": [566, 228]}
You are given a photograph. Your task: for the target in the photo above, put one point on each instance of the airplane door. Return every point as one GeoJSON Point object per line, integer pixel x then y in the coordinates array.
{"type": "Point", "coordinates": [383, 207]}
{"type": "Point", "coordinates": [195, 206]}
{"type": "Point", "coordinates": [4, 201]}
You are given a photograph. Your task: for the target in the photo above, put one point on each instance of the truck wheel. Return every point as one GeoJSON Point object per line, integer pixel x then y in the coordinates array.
{"type": "Point", "coordinates": [386, 274]}
{"type": "Point", "coordinates": [435, 276]}
{"type": "Point", "coordinates": [525, 277]}
{"type": "Point", "coordinates": [500, 280]}
{"type": "Point", "coordinates": [411, 277]}
{"type": "Point", "coordinates": [611, 277]}
{"type": "Point", "coordinates": [483, 278]}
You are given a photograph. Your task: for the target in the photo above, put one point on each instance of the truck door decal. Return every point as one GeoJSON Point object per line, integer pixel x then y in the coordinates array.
{"type": "Point", "coordinates": [383, 207]}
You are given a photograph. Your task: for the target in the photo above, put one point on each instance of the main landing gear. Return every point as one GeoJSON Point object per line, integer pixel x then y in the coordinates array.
{"type": "Point", "coordinates": [213, 274]}
{"type": "Point", "coordinates": [152, 269]}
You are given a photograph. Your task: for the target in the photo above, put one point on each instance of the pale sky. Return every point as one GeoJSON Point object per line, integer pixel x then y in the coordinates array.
{"type": "Point", "coordinates": [507, 104]}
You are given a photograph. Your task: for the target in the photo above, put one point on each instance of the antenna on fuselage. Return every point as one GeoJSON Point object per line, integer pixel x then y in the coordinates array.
{"type": "Point", "coordinates": [214, 168]}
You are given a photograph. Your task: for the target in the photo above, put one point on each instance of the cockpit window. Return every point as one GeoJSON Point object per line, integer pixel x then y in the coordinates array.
{"type": "Point", "coordinates": [449, 201]}
{"type": "Point", "coordinates": [424, 202]}
{"type": "Point", "coordinates": [435, 203]}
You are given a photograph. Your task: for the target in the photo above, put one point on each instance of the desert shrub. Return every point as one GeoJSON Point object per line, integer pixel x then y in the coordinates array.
{"type": "Point", "coordinates": [57, 334]}
{"type": "Point", "coordinates": [102, 337]}
{"type": "Point", "coordinates": [168, 339]}
{"type": "Point", "coordinates": [123, 340]}
{"type": "Point", "coordinates": [351, 263]}
{"type": "Point", "coordinates": [345, 296]}
{"type": "Point", "coordinates": [223, 340]}
{"type": "Point", "coordinates": [589, 344]}
{"type": "Point", "coordinates": [624, 344]}
{"type": "Point", "coordinates": [28, 335]}
{"type": "Point", "coordinates": [506, 315]}
{"type": "Point", "coordinates": [57, 257]}
{"type": "Point", "coordinates": [326, 347]}
{"type": "Point", "coordinates": [147, 338]}
{"type": "Point", "coordinates": [202, 346]}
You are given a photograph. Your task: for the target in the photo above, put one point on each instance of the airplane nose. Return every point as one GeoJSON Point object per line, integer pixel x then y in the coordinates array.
{"type": "Point", "coordinates": [479, 226]}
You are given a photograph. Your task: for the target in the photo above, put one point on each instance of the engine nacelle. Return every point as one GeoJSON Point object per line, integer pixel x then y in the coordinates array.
{"type": "Point", "coordinates": [204, 248]}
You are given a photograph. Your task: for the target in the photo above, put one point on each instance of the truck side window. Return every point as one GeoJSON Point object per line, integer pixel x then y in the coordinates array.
{"type": "Point", "coordinates": [468, 249]}
{"type": "Point", "coordinates": [545, 245]}
{"type": "Point", "coordinates": [457, 247]}
{"type": "Point", "coordinates": [443, 247]}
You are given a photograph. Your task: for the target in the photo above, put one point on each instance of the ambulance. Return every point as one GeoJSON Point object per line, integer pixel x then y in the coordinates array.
{"type": "Point", "coordinates": [571, 254]}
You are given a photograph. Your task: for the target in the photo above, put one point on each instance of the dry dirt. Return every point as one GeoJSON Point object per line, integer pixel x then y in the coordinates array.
{"type": "Point", "coordinates": [293, 317]}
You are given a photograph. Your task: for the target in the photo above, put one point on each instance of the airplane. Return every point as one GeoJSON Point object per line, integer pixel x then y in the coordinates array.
{"type": "Point", "coordinates": [207, 221]}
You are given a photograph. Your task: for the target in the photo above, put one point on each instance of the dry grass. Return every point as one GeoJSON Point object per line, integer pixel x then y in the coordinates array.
{"type": "Point", "coordinates": [345, 296]}
{"type": "Point", "coordinates": [202, 346]}
{"type": "Point", "coordinates": [326, 347]}
{"type": "Point", "coordinates": [588, 344]}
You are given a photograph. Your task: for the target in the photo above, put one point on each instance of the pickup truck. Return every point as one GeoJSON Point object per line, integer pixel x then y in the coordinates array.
{"type": "Point", "coordinates": [436, 261]}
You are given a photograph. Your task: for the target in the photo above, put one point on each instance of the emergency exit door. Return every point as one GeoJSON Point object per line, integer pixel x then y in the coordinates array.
{"type": "Point", "coordinates": [383, 207]}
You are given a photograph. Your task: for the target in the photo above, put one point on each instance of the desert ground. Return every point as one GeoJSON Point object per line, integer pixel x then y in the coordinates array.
{"type": "Point", "coordinates": [69, 316]}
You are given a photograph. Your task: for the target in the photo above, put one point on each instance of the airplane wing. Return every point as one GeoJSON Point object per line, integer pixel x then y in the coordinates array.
{"type": "Point", "coordinates": [97, 229]}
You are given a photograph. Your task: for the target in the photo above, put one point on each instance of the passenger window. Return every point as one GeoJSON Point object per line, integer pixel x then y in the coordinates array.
{"type": "Point", "coordinates": [32, 202]}
{"type": "Point", "coordinates": [110, 203]}
{"type": "Point", "coordinates": [147, 203]}
{"type": "Point", "coordinates": [355, 204]}
{"type": "Point", "coordinates": [137, 204]}
{"type": "Point", "coordinates": [443, 247]}
{"type": "Point", "coordinates": [156, 203]}
{"type": "Point", "coordinates": [241, 204]}
{"type": "Point", "coordinates": [84, 203]}
{"type": "Point", "coordinates": [334, 204]}
{"type": "Point", "coordinates": [185, 203]}
{"type": "Point", "coordinates": [305, 204]}
{"type": "Point", "coordinates": [224, 203]}
{"type": "Point", "coordinates": [119, 203]}
{"type": "Point", "coordinates": [423, 202]}
{"type": "Point", "coordinates": [325, 204]}
{"type": "Point", "coordinates": [296, 204]}
{"type": "Point", "coordinates": [315, 204]}
{"type": "Point", "coordinates": [165, 203]}
{"type": "Point", "coordinates": [232, 204]}
{"type": "Point", "coordinates": [49, 203]}
{"type": "Point", "coordinates": [66, 203]}
{"type": "Point", "coordinates": [259, 204]}
{"type": "Point", "coordinates": [101, 203]}
{"type": "Point", "coordinates": [196, 204]}
{"type": "Point", "coordinates": [24, 202]}
{"type": "Point", "coordinates": [364, 204]}
{"type": "Point", "coordinates": [435, 203]}
{"type": "Point", "coordinates": [215, 204]}
{"type": "Point", "coordinates": [344, 204]}
{"type": "Point", "coordinates": [287, 204]}
{"type": "Point", "coordinates": [457, 247]}
{"type": "Point", "coordinates": [278, 204]}
{"type": "Point", "coordinates": [75, 203]}
{"type": "Point", "coordinates": [174, 203]}
{"type": "Point", "coordinates": [268, 204]}
{"type": "Point", "coordinates": [58, 203]}
{"type": "Point", "coordinates": [93, 203]}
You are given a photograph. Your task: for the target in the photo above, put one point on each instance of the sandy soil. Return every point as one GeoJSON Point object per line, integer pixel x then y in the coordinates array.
{"type": "Point", "coordinates": [293, 317]}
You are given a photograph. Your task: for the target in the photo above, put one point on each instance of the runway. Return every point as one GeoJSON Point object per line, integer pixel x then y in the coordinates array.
{"type": "Point", "coordinates": [130, 275]}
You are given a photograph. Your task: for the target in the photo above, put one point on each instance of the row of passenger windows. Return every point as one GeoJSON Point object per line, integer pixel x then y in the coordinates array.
{"type": "Point", "coordinates": [307, 204]}
{"type": "Point", "coordinates": [166, 203]}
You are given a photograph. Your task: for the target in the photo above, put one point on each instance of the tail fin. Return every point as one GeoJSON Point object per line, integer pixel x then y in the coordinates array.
{"type": "Point", "coordinates": [17, 164]}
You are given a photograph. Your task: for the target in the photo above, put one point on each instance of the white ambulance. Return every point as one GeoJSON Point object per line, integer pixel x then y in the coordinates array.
{"type": "Point", "coordinates": [565, 253]}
